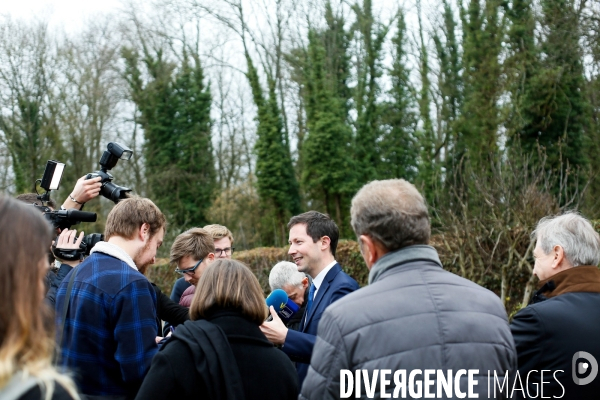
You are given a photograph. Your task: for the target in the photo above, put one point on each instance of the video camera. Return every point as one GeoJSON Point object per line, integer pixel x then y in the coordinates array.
{"type": "Point", "coordinates": [114, 153]}
{"type": "Point", "coordinates": [88, 242]}
{"type": "Point", "coordinates": [64, 219]}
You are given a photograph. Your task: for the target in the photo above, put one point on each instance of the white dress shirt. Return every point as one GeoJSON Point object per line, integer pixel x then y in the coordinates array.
{"type": "Point", "coordinates": [319, 278]}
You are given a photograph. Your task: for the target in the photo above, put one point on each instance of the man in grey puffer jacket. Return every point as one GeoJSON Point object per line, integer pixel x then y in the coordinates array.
{"type": "Point", "coordinates": [413, 316]}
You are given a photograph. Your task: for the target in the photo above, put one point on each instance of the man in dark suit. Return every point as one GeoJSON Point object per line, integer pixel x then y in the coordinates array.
{"type": "Point", "coordinates": [313, 240]}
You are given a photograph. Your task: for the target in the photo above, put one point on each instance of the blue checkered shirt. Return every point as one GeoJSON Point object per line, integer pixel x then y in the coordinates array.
{"type": "Point", "coordinates": [109, 335]}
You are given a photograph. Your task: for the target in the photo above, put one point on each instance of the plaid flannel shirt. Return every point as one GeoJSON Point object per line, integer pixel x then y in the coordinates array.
{"type": "Point", "coordinates": [109, 335]}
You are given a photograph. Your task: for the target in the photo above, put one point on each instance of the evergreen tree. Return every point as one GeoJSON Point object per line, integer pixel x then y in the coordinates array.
{"type": "Point", "coordinates": [591, 28]}
{"type": "Point", "coordinates": [31, 137]}
{"type": "Point", "coordinates": [428, 143]}
{"type": "Point", "coordinates": [398, 145]}
{"type": "Point", "coordinates": [554, 110]}
{"type": "Point", "coordinates": [322, 70]}
{"type": "Point", "coordinates": [521, 65]}
{"type": "Point", "coordinates": [367, 92]}
{"type": "Point", "coordinates": [174, 106]}
{"type": "Point", "coordinates": [328, 172]}
{"type": "Point", "coordinates": [336, 39]}
{"type": "Point", "coordinates": [449, 81]}
{"type": "Point", "coordinates": [483, 32]}
{"type": "Point", "coordinates": [276, 181]}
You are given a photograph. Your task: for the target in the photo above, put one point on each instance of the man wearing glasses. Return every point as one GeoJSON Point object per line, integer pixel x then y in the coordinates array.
{"type": "Point", "coordinates": [192, 251]}
{"type": "Point", "coordinates": [191, 261]}
{"type": "Point", "coordinates": [223, 241]}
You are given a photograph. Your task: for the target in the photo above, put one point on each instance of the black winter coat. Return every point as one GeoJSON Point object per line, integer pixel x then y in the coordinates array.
{"type": "Point", "coordinates": [266, 372]}
{"type": "Point", "coordinates": [178, 288]}
{"type": "Point", "coordinates": [549, 332]}
{"type": "Point", "coordinates": [168, 310]}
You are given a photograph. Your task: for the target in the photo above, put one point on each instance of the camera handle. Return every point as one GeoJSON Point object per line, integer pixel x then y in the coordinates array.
{"type": "Point", "coordinates": [67, 254]}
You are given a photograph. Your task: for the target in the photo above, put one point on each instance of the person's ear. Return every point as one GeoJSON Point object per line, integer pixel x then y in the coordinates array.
{"type": "Point", "coordinates": [211, 257]}
{"type": "Point", "coordinates": [559, 256]}
{"type": "Point", "coordinates": [144, 232]}
{"type": "Point", "coordinates": [368, 250]}
{"type": "Point", "coordinates": [305, 282]}
{"type": "Point", "coordinates": [325, 242]}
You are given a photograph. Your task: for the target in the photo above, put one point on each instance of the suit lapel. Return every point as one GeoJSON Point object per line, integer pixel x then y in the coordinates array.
{"type": "Point", "coordinates": [321, 293]}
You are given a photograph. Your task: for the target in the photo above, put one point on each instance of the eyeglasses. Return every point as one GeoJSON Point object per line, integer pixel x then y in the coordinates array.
{"type": "Point", "coordinates": [189, 271]}
{"type": "Point", "coordinates": [228, 251]}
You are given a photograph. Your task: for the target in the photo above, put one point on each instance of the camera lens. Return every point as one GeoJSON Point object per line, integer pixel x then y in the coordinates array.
{"type": "Point", "coordinates": [114, 192]}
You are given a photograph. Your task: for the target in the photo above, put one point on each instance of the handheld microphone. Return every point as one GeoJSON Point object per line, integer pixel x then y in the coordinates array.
{"type": "Point", "coordinates": [284, 307]}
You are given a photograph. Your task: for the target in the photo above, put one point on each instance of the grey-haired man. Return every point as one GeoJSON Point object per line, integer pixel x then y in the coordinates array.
{"type": "Point", "coordinates": [558, 333]}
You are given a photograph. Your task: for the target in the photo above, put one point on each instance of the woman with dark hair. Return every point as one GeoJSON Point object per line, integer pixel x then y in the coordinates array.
{"type": "Point", "coordinates": [221, 353]}
{"type": "Point", "coordinates": [26, 345]}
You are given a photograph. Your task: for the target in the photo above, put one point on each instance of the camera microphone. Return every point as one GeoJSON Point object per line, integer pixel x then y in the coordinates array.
{"type": "Point", "coordinates": [284, 307]}
{"type": "Point", "coordinates": [82, 216]}
{"type": "Point", "coordinates": [63, 219]}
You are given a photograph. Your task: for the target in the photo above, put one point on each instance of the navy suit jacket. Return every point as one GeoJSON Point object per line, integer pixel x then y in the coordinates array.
{"type": "Point", "coordinates": [299, 344]}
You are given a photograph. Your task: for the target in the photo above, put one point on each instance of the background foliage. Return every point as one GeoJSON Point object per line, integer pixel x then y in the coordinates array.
{"type": "Point", "coordinates": [244, 113]}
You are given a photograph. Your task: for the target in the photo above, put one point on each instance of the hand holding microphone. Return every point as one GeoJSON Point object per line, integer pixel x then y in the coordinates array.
{"type": "Point", "coordinates": [279, 306]}
{"type": "Point", "coordinates": [284, 307]}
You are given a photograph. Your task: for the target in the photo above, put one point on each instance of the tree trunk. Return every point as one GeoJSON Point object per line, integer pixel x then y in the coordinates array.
{"type": "Point", "coordinates": [528, 290]}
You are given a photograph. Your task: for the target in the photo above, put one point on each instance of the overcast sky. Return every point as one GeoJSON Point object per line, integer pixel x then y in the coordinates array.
{"type": "Point", "coordinates": [69, 14]}
{"type": "Point", "coordinates": [66, 13]}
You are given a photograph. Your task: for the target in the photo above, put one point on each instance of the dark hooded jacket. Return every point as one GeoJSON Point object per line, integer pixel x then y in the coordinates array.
{"type": "Point", "coordinates": [225, 356]}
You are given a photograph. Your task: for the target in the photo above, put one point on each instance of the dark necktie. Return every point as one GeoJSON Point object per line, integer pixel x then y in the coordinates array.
{"type": "Point", "coordinates": [311, 294]}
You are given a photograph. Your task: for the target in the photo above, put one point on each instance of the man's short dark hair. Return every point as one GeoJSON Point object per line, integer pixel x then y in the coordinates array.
{"type": "Point", "coordinates": [31, 198]}
{"type": "Point", "coordinates": [317, 226]}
